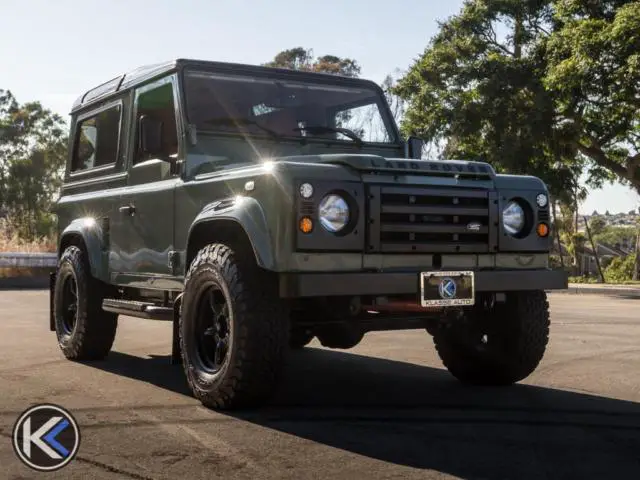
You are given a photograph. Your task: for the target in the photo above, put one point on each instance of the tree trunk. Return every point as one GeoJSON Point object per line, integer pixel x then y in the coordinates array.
{"type": "Point", "coordinates": [556, 228]}
{"type": "Point", "coordinates": [575, 197]}
{"type": "Point", "coordinates": [517, 36]}
{"type": "Point", "coordinates": [595, 252]}
{"type": "Point", "coordinates": [636, 270]}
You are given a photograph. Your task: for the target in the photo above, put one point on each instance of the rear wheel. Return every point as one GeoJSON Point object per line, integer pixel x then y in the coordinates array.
{"type": "Point", "coordinates": [499, 344]}
{"type": "Point", "coordinates": [233, 329]}
{"type": "Point", "coordinates": [83, 329]}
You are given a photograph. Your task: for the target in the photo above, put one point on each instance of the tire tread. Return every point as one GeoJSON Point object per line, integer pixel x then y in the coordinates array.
{"type": "Point", "coordinates": [525, 320]}
{"type": "Point", "coordinates": [261, 329]}
{"type": "Point", "coordinates": [95, 329]}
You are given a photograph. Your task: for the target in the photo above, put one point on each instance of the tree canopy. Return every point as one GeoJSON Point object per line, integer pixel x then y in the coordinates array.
{"type": "Point", "coordinates": [303, 59]}
{"type": "Point", "coordinates": [597, 225]}
{"type": "Point", "coordinates": [541, 87]}
{"type": "Point", "coordinates": [33, 146]}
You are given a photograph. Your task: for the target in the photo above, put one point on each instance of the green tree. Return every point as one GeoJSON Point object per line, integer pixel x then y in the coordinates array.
{"type": "Point", "coordinates": [613, 235]}
{"type": "Point", "coordinates": [593, 73]}
{"type": "Point", "coordinates": [541, 87]}
{"type": "Point", "coordinates": [396, 104]}
{"type": "Point", "coordinates": [636, 272]}
{"type": "Point", "coordinates": [33, 146]}
{"type": "Point", "coordinates": [300, 58]}
{"type": "Point", "coordinates": [597, 225]}
{"type": "Point", "coordinates": [566, 223]}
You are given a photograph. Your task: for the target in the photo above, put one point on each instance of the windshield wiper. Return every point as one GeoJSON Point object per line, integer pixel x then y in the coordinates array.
{"type": "Point", "coordinates": [231, 121]}
{"type": "Point", "coordinates": [320, 129]}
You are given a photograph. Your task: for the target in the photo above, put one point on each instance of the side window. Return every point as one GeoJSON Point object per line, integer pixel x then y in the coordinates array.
{"type": "Point", "coordinates": [97, 139]}
{"type": "Point", "coordinates": [158, 104]}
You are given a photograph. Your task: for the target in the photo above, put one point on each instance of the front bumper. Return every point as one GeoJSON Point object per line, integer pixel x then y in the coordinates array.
{"type": "Point", "coordinates": [295, 285]}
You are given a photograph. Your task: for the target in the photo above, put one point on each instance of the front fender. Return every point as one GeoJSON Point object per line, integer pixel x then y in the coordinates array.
{"type": "Point", "coordinates": [91, 234]}
{"type": "Point", "coordinates": [247, 213]}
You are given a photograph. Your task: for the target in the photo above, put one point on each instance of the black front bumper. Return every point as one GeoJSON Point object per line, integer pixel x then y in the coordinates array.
{"type": "Point", "coordinates": [295, 285]}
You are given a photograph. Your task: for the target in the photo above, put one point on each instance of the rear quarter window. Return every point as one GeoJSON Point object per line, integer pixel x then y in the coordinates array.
{"type": "Point", "coordinates": [97, 140]}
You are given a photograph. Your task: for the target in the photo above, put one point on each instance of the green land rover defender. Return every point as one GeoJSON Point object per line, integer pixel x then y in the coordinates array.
{"type": "Point", "coordinates": [260, 208]}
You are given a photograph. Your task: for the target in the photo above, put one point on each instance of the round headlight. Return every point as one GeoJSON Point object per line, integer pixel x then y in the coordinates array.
{"type": "Point", "coordinates": [541, 200]}
{"type": "Point", "coordinates": [513, 218]}
{"type": "Point", "coordinates": [334, 213]}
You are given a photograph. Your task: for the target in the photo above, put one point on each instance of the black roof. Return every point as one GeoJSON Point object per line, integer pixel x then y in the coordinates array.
{"type": "Point", "coordinates": [122, 81]}
{"type": "Point", "coordinates": [147, 72]}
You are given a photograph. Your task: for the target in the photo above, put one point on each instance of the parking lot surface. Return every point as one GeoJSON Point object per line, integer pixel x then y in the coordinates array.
{"type": "Point", "coordinates": [385, 409]}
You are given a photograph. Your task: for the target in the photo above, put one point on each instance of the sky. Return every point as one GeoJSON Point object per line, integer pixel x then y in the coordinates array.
{"type": "Point", "coordinates": [52, 51]}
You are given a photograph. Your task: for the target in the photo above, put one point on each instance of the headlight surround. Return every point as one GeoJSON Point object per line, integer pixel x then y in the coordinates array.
{"type": "Point", "coordinates": [513, 218]}
{"type": "Point", "coordinates": [333, 213]}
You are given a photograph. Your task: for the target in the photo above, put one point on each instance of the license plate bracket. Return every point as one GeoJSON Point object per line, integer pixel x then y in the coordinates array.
{"type": "Point", "coordinates": [447, 288]}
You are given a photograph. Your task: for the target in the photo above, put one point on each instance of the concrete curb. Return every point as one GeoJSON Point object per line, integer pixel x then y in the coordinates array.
{"type": "Point", "coordinates": [609, 290]}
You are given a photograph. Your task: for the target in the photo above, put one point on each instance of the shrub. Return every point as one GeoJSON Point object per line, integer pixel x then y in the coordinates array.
{"type": "Point", "coordinates": [620, 269]}
{"type": "Point", "coordinates": [583, 279]}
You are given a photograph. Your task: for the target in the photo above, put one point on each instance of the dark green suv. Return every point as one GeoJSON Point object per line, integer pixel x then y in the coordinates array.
{"type": "Point", "coordinates": [259, 208]}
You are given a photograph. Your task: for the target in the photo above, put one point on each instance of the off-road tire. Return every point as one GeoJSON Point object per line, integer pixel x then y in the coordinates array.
{"type": "Point", "coordinates": [518, 333]}
{"type": "Point", "coordinates": [300, 338]}
{"type": "Point", "coordinates": [94, 332]}
{"type": "Point", "coordinates": [339, 336]}
{"type": "Point", "coordinates": [260, 323]}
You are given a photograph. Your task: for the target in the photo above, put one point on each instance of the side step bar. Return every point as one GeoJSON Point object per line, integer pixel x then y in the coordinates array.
{"type": "Point", "coordinates": [138, 309]}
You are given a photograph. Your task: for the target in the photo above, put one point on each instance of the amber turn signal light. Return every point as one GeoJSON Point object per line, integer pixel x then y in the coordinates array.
{"type": "Point", "coordinates": [305, 225]}
{"type": "Point", "coordinates": [542, 229]}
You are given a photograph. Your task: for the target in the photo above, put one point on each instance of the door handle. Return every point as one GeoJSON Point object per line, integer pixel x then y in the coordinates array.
{"type": "Point", "coordinates": [128, 209]}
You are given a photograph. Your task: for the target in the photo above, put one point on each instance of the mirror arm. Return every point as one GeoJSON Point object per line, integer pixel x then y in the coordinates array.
{"type": "Point", "coordinates": [413, 147]}
{"type": "Point", "coordinates": [174, 163]}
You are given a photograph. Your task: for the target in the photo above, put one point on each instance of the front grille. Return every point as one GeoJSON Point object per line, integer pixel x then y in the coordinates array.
{"type": "Point", "coordinates": [543, 215]}
{"type": "Point", "coordinates": [306, 208]}
{"type": "Point", "coordinates": [431, 220]}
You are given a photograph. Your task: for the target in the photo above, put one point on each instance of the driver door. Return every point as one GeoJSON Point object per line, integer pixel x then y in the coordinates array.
{"type": "Point", "coordinates": [145, 232]}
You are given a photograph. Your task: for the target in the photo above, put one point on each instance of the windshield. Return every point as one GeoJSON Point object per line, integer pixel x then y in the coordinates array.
{"type": "Point", "coordinates": [286, 109]}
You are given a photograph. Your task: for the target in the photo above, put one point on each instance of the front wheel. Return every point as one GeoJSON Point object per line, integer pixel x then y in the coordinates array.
{"type": "Point", "coordinates": [499, 344]}
{"type": "Point", "coordinates": [233, 328]}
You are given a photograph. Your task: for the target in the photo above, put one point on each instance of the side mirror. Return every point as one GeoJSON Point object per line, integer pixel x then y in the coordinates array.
{"type": "Point", "coordinates": [150, 138]}
{"type": "Point", "coordinates": [414, 147]}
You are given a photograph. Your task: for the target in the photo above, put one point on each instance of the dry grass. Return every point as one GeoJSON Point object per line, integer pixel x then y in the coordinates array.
{"type": "Point", "coordinates": [11, 242]}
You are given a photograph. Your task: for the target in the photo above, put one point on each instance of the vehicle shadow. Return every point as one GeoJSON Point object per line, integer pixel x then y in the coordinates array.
{"type": "Point", "coordinates": [420, 417]}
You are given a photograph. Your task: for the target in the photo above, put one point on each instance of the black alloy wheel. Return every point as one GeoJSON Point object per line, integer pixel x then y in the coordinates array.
{"type": "Point", "coordinates": [213, 330]}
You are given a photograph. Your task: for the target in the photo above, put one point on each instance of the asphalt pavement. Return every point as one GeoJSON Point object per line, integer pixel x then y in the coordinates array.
{"type": "Point", "coordinates": [385, 409]}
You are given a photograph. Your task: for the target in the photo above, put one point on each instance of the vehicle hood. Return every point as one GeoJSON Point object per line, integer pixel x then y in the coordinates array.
{"type": "Point", "coordinates": [376, 163]}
